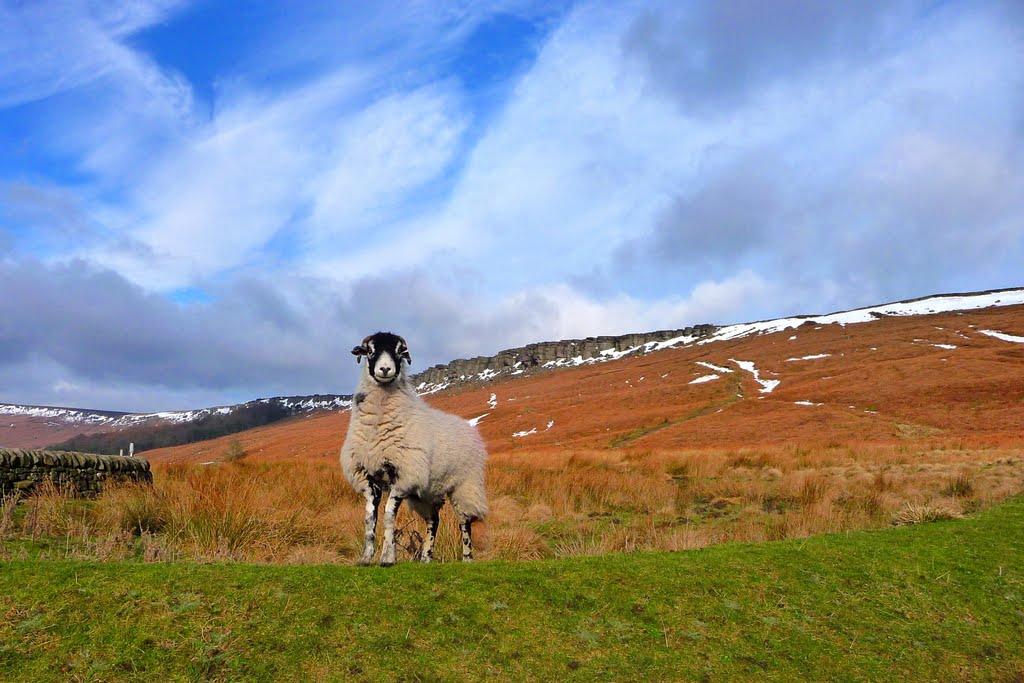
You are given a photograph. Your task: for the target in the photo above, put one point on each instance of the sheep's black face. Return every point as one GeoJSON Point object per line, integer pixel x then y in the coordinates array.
{"type": "Point", "coordinates": [384, 355]}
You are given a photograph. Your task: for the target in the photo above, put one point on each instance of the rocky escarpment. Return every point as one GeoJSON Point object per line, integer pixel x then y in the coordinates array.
{"type": "Point", "coordinates": [541, 355]}
{"type": "Point", "coordinates": [22, 470]}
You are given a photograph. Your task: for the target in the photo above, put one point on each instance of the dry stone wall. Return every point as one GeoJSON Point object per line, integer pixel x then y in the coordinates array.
{"type": "Point", "coordinates": [23, 470]}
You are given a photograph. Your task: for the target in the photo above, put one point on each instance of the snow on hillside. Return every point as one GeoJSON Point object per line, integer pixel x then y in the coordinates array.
{"type": "Point", "coordinates": [67, 415]}
{"type": "Point", "coordinates": [935, 304]}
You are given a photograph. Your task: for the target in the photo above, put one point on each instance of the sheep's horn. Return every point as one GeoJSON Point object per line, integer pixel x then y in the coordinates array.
{"type": "Point", "coordinates": [361, 350]}
{"type": "Point", "coordinates": [405, 353]}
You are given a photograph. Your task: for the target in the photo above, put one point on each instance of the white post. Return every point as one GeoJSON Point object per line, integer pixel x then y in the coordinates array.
{"type": "Point", "coordinates": [121, 453]}
{"type": "Point", "coordinates": [131, 449]}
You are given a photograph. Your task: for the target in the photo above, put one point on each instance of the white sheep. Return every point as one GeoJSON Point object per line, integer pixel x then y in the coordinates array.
{"type": "Point", "coordinates": [397, 442]}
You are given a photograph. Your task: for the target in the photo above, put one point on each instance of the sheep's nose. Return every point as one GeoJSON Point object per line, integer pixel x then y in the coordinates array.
{"type": "Point", "coordinates": [385, 371]}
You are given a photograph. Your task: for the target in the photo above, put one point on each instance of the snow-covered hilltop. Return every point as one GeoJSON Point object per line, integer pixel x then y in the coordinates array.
{"type": "Point", "coordinates": [115, 420]}
{"type": "Point", "coordinates": [942, 303]}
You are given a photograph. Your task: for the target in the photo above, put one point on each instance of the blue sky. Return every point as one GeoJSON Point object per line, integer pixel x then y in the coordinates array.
{"type": "Point", "coordinates": [201, 204]}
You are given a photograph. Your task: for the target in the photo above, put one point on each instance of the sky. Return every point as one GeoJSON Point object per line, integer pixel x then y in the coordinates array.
{"type": "Point", "coordinates": [205, 202]}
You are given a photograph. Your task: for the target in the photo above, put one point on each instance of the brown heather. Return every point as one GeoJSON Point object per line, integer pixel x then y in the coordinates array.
{"type": "Point", "coordinates": [544, 504]}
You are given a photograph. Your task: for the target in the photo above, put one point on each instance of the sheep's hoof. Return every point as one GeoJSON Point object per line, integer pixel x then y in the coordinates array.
{"type": "Point", "coordinates": [425, 558]}
{"type": "Point", "coordinates": [365, 561]}
{"type": "Point", "coordinates": [386, 563]}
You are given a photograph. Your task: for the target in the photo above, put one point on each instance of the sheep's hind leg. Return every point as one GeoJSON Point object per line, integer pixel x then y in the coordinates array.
{"type": "Point", "coordinates": [372, 496]}
{"type": "Point", "coordinates": [427, 552]}
{"type": "Point", "coordinates": [466, 525]}
{"type": "Point", "coordinates": [387, 553]}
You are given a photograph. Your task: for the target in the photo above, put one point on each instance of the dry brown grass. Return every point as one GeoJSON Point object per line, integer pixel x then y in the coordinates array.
{"type": "Point", "coordinates": [544, 504]}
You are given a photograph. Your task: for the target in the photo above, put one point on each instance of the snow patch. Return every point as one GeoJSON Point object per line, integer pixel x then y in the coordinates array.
{"type": "Point", "coordinates": [519, 435]}
{"type": "Point", "coordinates": [814, 357]}
{"type": "Point", "coordinates": [476, 420]}
{"type": "Point", "coordinates": [767, 385]}
{"type": "Point", "coordinates": [427, 388]}
{"type": "Point", "coordinates": [705, 378]}
{"type": "Point", "coordinates": [712, 366]}
{"type": "Point", "coordinates": [1002, 335]}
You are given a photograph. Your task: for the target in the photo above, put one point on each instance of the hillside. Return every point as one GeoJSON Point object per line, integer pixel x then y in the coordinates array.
{"type": "Point", "coordinates": [944, 369]}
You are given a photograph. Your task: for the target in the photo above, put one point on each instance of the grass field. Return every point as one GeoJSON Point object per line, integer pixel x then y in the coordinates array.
{"type": "Point", "coordinates": [937, 601]}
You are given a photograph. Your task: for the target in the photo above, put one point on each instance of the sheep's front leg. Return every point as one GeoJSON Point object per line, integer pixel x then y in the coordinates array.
{"type": "Point", "coordinates": [372, 495]}
{"type": "Point", "coordinates": [427, 553]}
{"type": "Point", "coordinates": [466, 525]}
{"type": "Point", "coordinates": [387, 553]}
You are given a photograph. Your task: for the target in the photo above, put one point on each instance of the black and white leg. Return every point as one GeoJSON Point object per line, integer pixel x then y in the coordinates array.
{"type": "Point", "coordinates": [427, 553]}
{"type": "Point", "coordinates": [372, 495]}
{"type": "Point", "coordinates": [466, 525]}
{"type": "Point", "coordinates": [387, 553]}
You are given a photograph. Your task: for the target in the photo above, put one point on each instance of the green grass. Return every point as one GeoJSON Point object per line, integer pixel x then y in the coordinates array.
{"type": "Point", "coordinates": [941, 601]}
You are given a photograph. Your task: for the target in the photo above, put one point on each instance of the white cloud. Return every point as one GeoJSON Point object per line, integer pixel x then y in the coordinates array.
{"type": "Point", "coordinates": [378, 157]}
{"type": "Point", "coordinates": [47, 48]}
{"type": "Point", "coordinates": [560, 311]}
{"type": "Point", "coordinates": [319, 162]}
{"type": "Point", "coordinates": [116, 97]}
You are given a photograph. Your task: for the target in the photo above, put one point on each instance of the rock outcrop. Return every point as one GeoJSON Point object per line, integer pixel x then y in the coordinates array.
{"type": "Point", "coordinates": [535, 357]}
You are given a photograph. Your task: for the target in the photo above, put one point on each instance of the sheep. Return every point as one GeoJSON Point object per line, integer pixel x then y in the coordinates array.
{"type": "Point", "coordinates": [396, 442]}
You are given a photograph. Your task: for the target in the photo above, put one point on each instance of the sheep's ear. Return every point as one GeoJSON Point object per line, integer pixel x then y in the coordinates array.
{"type": "Point", "coordinates": [359, 352]}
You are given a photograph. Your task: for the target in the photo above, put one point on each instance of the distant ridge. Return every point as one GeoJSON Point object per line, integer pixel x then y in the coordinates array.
{"type": "Point", "coordinates": [109, 432]}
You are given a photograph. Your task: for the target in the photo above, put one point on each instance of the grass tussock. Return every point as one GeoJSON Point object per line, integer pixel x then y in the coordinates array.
{"type": "Point", "coordinates": [544, 504]}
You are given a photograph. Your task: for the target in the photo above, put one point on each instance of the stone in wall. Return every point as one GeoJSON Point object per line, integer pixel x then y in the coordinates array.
{"type": "Point", "coordinates": [86, 473]}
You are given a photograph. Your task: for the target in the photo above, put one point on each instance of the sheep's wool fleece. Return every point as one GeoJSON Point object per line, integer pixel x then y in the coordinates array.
{"type": "Point", "coordinates": [432, 453]}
